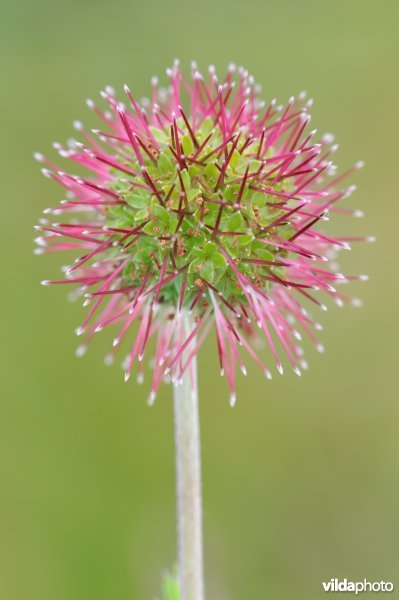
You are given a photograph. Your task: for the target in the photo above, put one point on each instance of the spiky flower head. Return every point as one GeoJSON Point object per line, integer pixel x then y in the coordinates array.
{"type": "Point", "coordinates": [205, 200]}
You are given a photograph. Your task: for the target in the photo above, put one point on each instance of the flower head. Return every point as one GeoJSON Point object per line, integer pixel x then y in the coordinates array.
{"type": "Point", "coordinates": [202, 199]}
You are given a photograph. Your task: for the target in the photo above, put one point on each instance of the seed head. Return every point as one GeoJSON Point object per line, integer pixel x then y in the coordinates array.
{"type": "Point", "coordinates": [212, 206]}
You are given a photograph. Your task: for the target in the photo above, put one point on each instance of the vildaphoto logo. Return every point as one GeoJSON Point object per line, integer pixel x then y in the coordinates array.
{"type": "Point", "coordinates": [357, 587]}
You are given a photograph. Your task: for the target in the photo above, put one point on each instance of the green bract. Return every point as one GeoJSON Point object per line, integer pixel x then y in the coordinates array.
{"type": "Point", "coordinates": [194, 204]}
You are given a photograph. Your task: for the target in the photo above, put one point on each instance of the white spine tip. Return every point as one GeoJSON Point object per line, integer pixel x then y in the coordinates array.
{"type": "Point", "coordinates": [349, 191]}
{"type": "Point", "coordinates": [45, 282]}
{"type": "Point", "coordinates": [320, 348]}
{"type": "Point", "coordinates": [328, 138]}
{"type": "Point", "coordinates": [115, 342]}
{"type": "Point", "coordinates": [370, 239]}
{"type": "Point", "coordinates": [297, 371]}
{"type": "Point", "coordinates": [233, 399]}
{"type": "Point", "coordinates": [151, 398]}
{"type": "Point", "coordinates": [280, 368]}
{"type": "Point", "coordinates": [81, 350]}
{"type": "Point", "coordinates": [356, 302]}
{"type": "Point", "coordinates": [127, 376]}
{"type": "Point", "coordinates": [359, 164]}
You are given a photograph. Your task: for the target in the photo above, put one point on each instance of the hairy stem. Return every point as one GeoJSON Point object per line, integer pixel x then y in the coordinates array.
{"type": "Point", "coordinates": [188, 475]}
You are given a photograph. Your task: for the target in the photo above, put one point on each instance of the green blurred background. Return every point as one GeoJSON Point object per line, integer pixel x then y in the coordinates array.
{"type": "Point", "coordinates": [301, 479]}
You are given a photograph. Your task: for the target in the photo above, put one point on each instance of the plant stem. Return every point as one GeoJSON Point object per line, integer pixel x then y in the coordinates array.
{"type": "Point", "coordinates": [188, 474]}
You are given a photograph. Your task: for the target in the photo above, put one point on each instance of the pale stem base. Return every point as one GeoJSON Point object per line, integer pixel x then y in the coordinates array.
{"type": "Point", "coordinates": [188, 477]}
